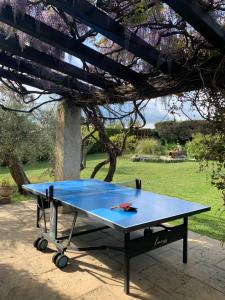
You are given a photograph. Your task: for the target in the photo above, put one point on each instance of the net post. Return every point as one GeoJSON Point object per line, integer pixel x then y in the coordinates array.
{"type": "Point", "coordinates": [138, 183]}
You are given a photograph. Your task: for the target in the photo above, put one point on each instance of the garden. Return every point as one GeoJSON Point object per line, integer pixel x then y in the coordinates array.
{"type": "Point", "coordinates": [78, 84]}
{"type": "Point", "coordinates": [187, 178]}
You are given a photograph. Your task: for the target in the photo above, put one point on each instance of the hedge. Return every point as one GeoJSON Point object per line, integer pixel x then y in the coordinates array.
{"type": "Point", "coordinates": [182, 132]}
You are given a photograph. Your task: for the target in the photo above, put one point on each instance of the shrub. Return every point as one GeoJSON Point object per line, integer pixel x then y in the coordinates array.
{"type": "Point", "coordinates": [149, 146]}
{"type": "Point", "coordinates": [131, 141]}
{"type": "Point", "coordinates": [198, 147]}
{"type": "Point", "coordinates": [97, 148]}
{"type": "Point", "coordinates": [94, 145]}
{"type": "Point", "coordinates": [117, 139]}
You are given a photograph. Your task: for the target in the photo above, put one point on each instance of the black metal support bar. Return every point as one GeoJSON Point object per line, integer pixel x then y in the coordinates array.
{"type": "Point", "coordinates": [38, 217]}
{"type": "Point", "coordinates": [126, 264]}
{"type": "Point", "coordinates": [38, 212]}
{"type": "Point", "coordinates": [185, 241]}
{"type": "Point", "coordinates": [164, 226]}
{"type": "Point", "coordinates": [102, 247]}
{"type": "Point", "coordinates": [72, 229]}
{"type": "Point", "coordinates": [60, 247]}
{"type": "Point", "coordinates": [83, 232]}
{"type": "Point", "coordinates": [155, 240]}
{"type": "Point", "coordinates": [44, 215]}
{"type": "Point", "coordinates": [53, 213]}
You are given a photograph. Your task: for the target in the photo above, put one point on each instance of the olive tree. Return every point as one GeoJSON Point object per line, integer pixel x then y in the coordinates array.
{"type": "Point", "coordinates": [24, 137]}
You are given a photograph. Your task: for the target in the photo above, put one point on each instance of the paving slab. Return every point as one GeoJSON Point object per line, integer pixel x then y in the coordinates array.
{"type": "Point", "coordinates": [195, 290]}
{"type": "Point", "coordinates": [26, 273]}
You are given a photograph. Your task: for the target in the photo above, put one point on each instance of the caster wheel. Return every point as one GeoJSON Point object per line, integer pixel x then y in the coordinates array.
{"type": "Point", "coordinates": [55, 256]}
{"type": "Point", "coordinates": [35, 243]}
{"type": "Point", "coordinates": [147, 232]}
{"type": "Point", "coordinates": [42, 244]}
{"type": "Point", "coordinates": [61, 261]}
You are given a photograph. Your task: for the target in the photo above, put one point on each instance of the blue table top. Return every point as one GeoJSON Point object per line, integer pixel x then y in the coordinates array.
{"type": "Point", "coordinates": [96, 198]}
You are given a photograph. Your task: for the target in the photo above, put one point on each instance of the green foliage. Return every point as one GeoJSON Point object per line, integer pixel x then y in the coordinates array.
{"type": "Point", "coordinates": [114, 130]}
{"type": "Point", "coordinates": [131, 141]}
{"type": "Point", "coordinates": [156, 178]}
{"type": "Point", "coordinates": [198, 147]}
{"type": "Point", "coordinates": [93, 144]}
{"type": "Point", "coordinates": [140, 13]}
{"type": "Point", "coordinates": [16, 137]}
{"type": "Point", "coordinates": [117, 139]}
{"type": "Point", "coordinates": [149, 146]}
{"type": "Point", "coordinates": [24, 138]}
{"type": "Point", "coordinates": [139, 133]}
{"type": "Point", "coordinates": [181, 131]}
{"type": "Point", "coordinates": [116, 125]}
{"type": "Point", "coordinates": [45, 136]}
{"type": "Point", "coordinates": [214, 149]}
{"type": "Point", "coordinates": [5, 182]}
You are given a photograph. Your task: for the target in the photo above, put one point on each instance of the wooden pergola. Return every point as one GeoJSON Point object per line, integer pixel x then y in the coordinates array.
{"type": "Point", "coordinates": [35, 68]}
{"type": "Point", "coordinates": [52, 74]}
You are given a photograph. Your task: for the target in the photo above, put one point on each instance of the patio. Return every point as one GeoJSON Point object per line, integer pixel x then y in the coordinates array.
{"type": "Point", "coordinates": [26, 273]}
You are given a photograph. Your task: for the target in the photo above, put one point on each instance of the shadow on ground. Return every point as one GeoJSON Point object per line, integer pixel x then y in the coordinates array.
{"type": "Point", "coordinates": [28, 274]}
{"type": "Point", "coordinates": [20, 284]}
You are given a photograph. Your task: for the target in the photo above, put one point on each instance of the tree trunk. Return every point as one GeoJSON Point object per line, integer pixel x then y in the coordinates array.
{"type": "Point", "coordinates": [94, 116]}
{"type": "Point", "coordinates": [18, 174]}
{"type": "Point", "coordinates": [85, 149]}
{"type": "Point", "coordinates": [112, 167]}
{"type": "Point", "coordinates": [98, 167]}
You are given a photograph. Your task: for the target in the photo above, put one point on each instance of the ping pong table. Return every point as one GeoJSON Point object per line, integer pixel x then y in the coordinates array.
{"type": "Point", "coordinates": [95, 198]}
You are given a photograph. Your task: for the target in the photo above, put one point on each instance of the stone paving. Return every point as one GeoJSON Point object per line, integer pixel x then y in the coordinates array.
{"type": "Point", "coordinates": [27, 274]}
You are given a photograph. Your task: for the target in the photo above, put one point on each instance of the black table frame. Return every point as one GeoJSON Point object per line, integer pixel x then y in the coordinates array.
{"type": "Point", "coordinates": [131, 246]}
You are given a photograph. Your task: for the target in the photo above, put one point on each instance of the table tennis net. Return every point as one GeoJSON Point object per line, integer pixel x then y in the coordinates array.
{"type": "Point", "coordinates": [62, 192]}
{"type": "Point", "coordinates": [136, 184]}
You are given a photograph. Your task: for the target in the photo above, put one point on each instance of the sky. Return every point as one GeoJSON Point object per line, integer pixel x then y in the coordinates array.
{"type": "Point", "coordinates": [156, 110]}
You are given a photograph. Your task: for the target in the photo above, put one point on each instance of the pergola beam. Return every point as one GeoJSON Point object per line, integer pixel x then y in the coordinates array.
{"type": "Point", "coordinates": [104, 24]}
{"type": "Point", "coordinates": [57, 39]}
{"type": "Point", "coordinates": [43, 73]}
{"type": "Point", "coordinates": [33, 82]}
{"type": "Point", "coordinates": [12, 45]}
{"type": "Point", "coordinates": [46, 86]}
{"type": "Point", "coordinates": [199, 19]}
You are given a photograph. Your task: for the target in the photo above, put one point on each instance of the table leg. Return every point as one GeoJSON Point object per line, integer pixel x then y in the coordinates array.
{"type": "Point", "coordinates": [185, 241]}
{"type": "Point", "coordinates": [38, 212]}
{"type": "Point", "coordinates": [53, 220]}
{"type": "Point", "coordinates": [126, 264]}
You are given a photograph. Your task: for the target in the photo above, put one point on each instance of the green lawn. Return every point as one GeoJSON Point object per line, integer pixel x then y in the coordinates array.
{"type": "Point", "coordinates": [182, 180]}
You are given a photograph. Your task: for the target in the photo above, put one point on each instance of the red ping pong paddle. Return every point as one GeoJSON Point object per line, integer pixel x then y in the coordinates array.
{"type": "Point", "coordinates": [122, 205]}
{"type": "Point", "coordinates": [125, 206]}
